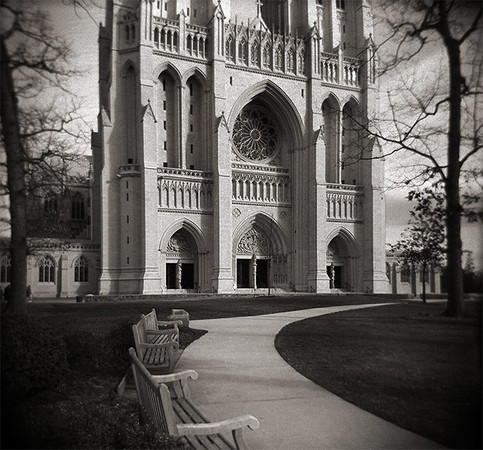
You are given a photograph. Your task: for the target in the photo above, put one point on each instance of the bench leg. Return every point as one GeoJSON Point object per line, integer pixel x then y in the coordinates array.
{"type": "Point", "coordinates": [239, 439]}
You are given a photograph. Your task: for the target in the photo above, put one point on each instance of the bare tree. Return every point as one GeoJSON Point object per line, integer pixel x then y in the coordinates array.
{"type": "Point", "coordinates": [434, 112]}
{"type": "Point", "coordinates": [39, 119]}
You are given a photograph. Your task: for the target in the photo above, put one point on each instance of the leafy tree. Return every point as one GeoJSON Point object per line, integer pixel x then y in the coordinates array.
{"type": "Point", "coordinates": [423, 242]}
{"type": "Point", "coordinates": [40, 124]}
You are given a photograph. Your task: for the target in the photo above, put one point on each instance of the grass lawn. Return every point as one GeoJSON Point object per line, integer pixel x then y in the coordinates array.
{"type": "Point", "coordinates": [405, 363]}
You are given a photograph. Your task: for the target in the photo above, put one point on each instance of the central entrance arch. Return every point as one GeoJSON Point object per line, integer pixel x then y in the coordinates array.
{"type": "Point", "coordinates": [259, 254]}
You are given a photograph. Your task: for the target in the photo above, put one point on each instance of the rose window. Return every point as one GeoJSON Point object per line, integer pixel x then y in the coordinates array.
{"type": "Point", "coordinates": [254, 135]}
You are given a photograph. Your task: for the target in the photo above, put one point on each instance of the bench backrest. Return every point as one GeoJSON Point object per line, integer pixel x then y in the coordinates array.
{"type": "Point", "coordinates": [150, 320]}
{"type": "Point", "coordinates": [139, 334]}
{"type": "Point", "coordinates": [154, 398]}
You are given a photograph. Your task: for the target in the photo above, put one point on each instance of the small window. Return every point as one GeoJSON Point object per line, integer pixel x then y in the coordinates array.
{"type": "Point", "coordinates": [192, 167]}
{"type": "Point", "coordinates": [127, 219]}
{"type": "Point", "coordinates": [127, 196]}
{"type": "Point", "coordinates": [50, 205]}
{"type": "Point", "coordinates": [47, 270]}
{"type": "Point", "coordinates": [187, 11]}
{"type": "Point", "coordinates": [319, 2]}
{"type": "Point", "coordinates": [191, 109]}
{"type": "Point", "coordinates": [191, 127]}
{"type": "Point", "coordinates": [127, 260]}
{"type": "Point", "coordinates": [165, 145]}
{"type": "Point", "coordinates": [127, 239]}
{"type": "Point", "coordinates": [194, 13]}
{"type": "Point", "coordinates": [340, 4]}
{"type": "Point", "coordinates": [405, 274]}
{"type": "Point", "coordinates": [81, 270]}
{"type": "Point", "coordinates": [164, 124]}
{"type": "Point", "coordinates": [78, 209]}
{"type": "Point", "coordinates": [165, 6]}
{"type": "Point", "coordinates": [191, 89]}
{"type": "Point", "coordinates": [164, 105]}
{"type": "Point", "coordinates": [191, 148]}
{"type": "Point", "coordinates": [5, 269]}
{"type": "Point", "coordinates": [164, 85]}
{"type": "Point", "coordinates": [165, 164]}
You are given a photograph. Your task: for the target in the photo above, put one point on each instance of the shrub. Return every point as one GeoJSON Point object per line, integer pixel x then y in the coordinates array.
{"type": "Point", "coordinates": [100, 354]}
{"type": "Point", "coordinates": [33, 356]}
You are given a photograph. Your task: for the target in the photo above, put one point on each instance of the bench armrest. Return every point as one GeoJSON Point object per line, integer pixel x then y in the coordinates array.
{"type": "Point", "coordinates": [169, 323]}
{"type": "Point", "coordinates": [175, 376]}
{"type": "Point", "coordinates": [218, 427]}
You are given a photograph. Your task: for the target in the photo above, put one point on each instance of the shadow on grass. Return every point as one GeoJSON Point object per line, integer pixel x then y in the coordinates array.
{"type": "Point", "coordinates": [405, 363]}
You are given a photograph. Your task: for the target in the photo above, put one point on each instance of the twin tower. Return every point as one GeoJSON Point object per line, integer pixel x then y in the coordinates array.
{"type": "Point", "coordinates": [231, 154]}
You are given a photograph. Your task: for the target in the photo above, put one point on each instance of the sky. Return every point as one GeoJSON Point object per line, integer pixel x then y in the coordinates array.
{"type": "Point", "coordinates": [81, 30]}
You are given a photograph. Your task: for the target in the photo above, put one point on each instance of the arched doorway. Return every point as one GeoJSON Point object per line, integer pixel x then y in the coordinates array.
{"type": "Point", "coordinates": [181, 261]}
{"type": "Point", "coordinates": [253, 260]}
{"type": "Point", "coordinates": [341, 267]}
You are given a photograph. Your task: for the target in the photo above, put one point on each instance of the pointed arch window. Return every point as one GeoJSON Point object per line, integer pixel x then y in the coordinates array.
{"type": "Point", "coordinates": [242, 51]}
{"type": "Point", "coordinates": [50, 205]}
{"type": "Point", "coordinates": [267, 56]}
{"type": "Point", "coordinates": [5, 269]}
{"type": "Point", "coordinates": [255, 54]}
{"type": "Point", "coordinates": [78, 207]}
{"type": "Point", "coordinates": [230, 49]}
{"type": "Point", "coordinates": [405, 274]}
{"type": "Point", "coordinates": [47, 270]}
{"type": "Point", "coordinates": [81, 270]}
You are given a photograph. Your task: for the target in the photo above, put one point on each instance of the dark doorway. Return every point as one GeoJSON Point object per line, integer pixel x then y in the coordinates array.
{"type": "Point", "coordinates": [337, 276]}
{"type": "Point", "coordinates": [242, 273]}
{"type": "Point", "coordinates": [171, 275]}
{"type": "Point", "coordinates": [187, 276]}
{"type": "Point", "coordinates": [262, 273]}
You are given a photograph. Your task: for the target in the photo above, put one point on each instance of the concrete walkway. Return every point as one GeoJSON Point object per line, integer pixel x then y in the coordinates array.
{"type": "Point", "coordinates": [241, 372]}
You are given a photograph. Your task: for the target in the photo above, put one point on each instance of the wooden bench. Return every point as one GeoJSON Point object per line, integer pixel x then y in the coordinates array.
{"type": "Point", "coordinates": [151, 322]}
{"type": "Point", "coordinates": [170, 410]}
{"type": "Point", "coordinates": [155, 348]}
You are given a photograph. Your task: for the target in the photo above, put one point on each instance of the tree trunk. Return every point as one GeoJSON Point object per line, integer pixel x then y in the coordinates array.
{"type": "Point", "coordinates": [454, 306]}
{"type": "Point", "coordinates": [424, 283]}
{"type": "Point", "coordinates": [15, 184]}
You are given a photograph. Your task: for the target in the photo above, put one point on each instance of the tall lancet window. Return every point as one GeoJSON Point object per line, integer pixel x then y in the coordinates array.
{"type": "Point", "coordinates": [130, 115]}
{"type": "Point", "coordinates": [274, 15]}
{"type": "Point", "coordinates": [331, 114]}
{"type": "Point", "coordinates": [167, 93]}
{"type": "Point", "coordinates": [195, 125]}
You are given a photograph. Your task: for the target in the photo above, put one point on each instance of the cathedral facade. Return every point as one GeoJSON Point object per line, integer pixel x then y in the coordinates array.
{"type": "Point", "coordinates": [230, 155]}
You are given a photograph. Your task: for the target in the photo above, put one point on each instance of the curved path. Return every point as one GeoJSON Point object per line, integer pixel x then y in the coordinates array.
{"type": "Point", "coordinates": [241, 372]}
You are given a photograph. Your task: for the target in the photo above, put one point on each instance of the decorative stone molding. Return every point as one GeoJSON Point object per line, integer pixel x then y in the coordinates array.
{"type": "Point", "coordinates": [344, 203]}
{"type": "Point", "coordinates": [260, 188]}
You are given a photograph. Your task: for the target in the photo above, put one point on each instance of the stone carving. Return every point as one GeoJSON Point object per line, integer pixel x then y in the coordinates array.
{"type": "Point", "coordinates": [179, 243]}
{"type": "Point", "coordinates": [254, 243]}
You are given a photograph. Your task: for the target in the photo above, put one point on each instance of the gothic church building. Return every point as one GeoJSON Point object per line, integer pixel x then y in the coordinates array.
{"type": "Point", "coordinates": [228, 154]}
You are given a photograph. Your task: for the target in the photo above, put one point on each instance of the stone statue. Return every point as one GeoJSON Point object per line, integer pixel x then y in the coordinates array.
{"type": "Point", "coordinates": [332, 276]}
{"type": "Point", "coordinates": [179, 272]}
{"type": "Point", "coordinates": [254, 269]}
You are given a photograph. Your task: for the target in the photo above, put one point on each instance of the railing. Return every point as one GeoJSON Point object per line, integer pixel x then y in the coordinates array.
{"type": "Point", "coordinates": [344, 202]}
{"type": "Point", "coordinates": [330, 70]}
{"type": "Point", "coordinates": [190, 41]}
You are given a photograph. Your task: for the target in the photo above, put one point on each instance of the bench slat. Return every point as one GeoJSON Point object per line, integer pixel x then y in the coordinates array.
{"type": "Point", "coordinates": [187, 412]}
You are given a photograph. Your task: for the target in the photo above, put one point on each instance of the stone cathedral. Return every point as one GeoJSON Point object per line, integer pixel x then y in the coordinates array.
{"type": "Point", "coordinates": [230, 155]}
